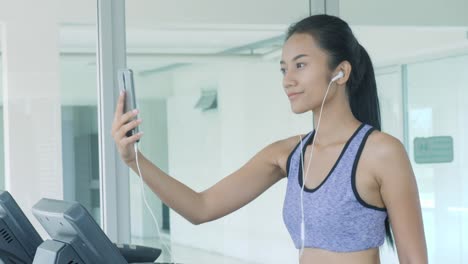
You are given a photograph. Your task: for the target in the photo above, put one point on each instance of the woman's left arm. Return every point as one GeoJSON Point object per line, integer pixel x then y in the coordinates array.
{"type": "Point", "coordinates": [400, 195]}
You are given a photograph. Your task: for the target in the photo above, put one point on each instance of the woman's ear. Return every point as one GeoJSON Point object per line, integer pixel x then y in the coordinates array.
{"type": "Point", "coordinates": [346, 68]}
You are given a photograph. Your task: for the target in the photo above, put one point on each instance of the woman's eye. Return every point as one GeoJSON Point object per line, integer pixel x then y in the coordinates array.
{"type": "Point", "coordinates": [300, 65]}
{"type": "Point", "coordinates": [283, 71]}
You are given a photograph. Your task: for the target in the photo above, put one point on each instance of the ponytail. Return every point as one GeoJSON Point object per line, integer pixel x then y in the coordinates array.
{"type": "Point", "coordinates": [362, 90]}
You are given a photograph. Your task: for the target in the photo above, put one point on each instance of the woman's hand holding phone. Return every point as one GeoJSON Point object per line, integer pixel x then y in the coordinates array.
{"type": "Point", "coordinates": [122, 124]}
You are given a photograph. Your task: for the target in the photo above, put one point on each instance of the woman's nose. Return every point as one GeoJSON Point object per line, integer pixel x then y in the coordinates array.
{"type": "Point", "coordinates": [289, 80]}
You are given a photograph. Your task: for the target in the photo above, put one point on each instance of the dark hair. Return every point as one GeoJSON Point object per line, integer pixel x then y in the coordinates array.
{"type": "Point", "coordinates": [336, 38]}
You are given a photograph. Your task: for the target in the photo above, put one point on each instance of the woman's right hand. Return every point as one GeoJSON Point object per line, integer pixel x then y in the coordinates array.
{"type": "Point", "coordinates": [123, 122]}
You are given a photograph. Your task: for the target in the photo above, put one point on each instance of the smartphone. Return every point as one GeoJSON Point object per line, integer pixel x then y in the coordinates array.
{"type": "Point", "coordinates": [126, 83]}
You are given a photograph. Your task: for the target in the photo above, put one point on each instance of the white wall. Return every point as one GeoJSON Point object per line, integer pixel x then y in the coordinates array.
{"type": "Point", "coordinates": [31, 102]}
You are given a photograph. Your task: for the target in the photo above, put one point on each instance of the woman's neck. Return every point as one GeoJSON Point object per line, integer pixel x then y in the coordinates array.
{"type": "Point", "coordinates": [336, 125]}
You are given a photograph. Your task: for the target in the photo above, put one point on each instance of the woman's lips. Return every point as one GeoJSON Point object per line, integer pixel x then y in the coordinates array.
{"type": "Point", "coordinates": [292, 96]}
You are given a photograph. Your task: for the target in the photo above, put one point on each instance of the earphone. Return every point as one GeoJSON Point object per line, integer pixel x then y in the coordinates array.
{"type": "Point", "coordinates": [339, 75]}
{"type": "Point", "coordinates": [304, 175]}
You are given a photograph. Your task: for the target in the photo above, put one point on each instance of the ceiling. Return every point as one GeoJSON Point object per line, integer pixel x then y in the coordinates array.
{"type": "Point", "coordinates": [162, 33]}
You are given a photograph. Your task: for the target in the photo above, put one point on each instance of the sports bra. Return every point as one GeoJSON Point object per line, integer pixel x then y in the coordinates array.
{"type": "Point", "coordinates": [335, 217]}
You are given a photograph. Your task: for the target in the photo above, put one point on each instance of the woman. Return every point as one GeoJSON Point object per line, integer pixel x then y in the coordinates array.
{"type": "Point", "coordinates": [340, 204]}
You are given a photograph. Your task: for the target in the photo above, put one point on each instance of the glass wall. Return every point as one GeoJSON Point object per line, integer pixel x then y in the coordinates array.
{"type": "Point", "coordinates": [420, 60]}
{"type": "Point", "coordinates": [79, 106]}
{"type": "Point", "coordinates": [436, 114]}
{"type": "Point", "coordinates": [438, 148]}
{"type": "Point", "coordinates": [390, 95]}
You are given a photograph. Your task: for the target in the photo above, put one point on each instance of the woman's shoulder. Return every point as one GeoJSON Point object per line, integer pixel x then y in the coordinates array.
{"type": "Point", "coordinates": [382, 144]}
{"type": "Point", "coordinates": [384, 151]}
{"type": "Point", "coordinates": [281, 149]}
{"type": "Point", "coordinates": [289, 143]}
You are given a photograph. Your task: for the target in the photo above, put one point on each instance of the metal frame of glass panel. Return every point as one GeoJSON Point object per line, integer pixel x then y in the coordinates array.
{"type": "Point", "coordinates": [111, 55]}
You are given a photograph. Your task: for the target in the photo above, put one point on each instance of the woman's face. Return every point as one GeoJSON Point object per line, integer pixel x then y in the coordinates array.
{"type": "Point", "coordinates": [305, 73]}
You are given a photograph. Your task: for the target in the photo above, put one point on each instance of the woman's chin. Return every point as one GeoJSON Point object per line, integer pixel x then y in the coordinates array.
{"type": "Point", "coordinates": [298, 110]}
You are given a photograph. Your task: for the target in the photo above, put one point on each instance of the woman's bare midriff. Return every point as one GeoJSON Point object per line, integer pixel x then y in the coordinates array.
{"type": "Point", "coordinates": [321, 256]}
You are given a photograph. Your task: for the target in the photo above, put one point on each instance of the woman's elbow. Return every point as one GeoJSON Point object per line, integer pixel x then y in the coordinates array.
{"type": "Point", "coordinates": [196, 221]}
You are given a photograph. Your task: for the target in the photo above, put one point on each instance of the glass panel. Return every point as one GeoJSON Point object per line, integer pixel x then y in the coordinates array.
{"type": "Point", "coordinates": [437, 93]}
{"type": "Point", "coordinates": [2, 145]}
{"type": "Point", "coordinates": [391, 101]}
{"type": "Point", "coordinates": [428, 94]}
{"type": "Point", "coordinates": [79, 107]}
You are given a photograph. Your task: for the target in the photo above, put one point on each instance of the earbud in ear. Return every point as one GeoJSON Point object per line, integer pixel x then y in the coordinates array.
{"type": "Point", "coordinates": [339, 75]}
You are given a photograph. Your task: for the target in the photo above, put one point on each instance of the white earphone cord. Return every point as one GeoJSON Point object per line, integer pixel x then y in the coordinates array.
{"type": "Point", "coordinates": [304, 175]}
{"type": "Point", "coordinates": [142, 190]}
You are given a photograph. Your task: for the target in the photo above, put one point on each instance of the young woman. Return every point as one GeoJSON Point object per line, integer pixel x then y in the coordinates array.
{"type": "Point", "coordinates": [348, 182]}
